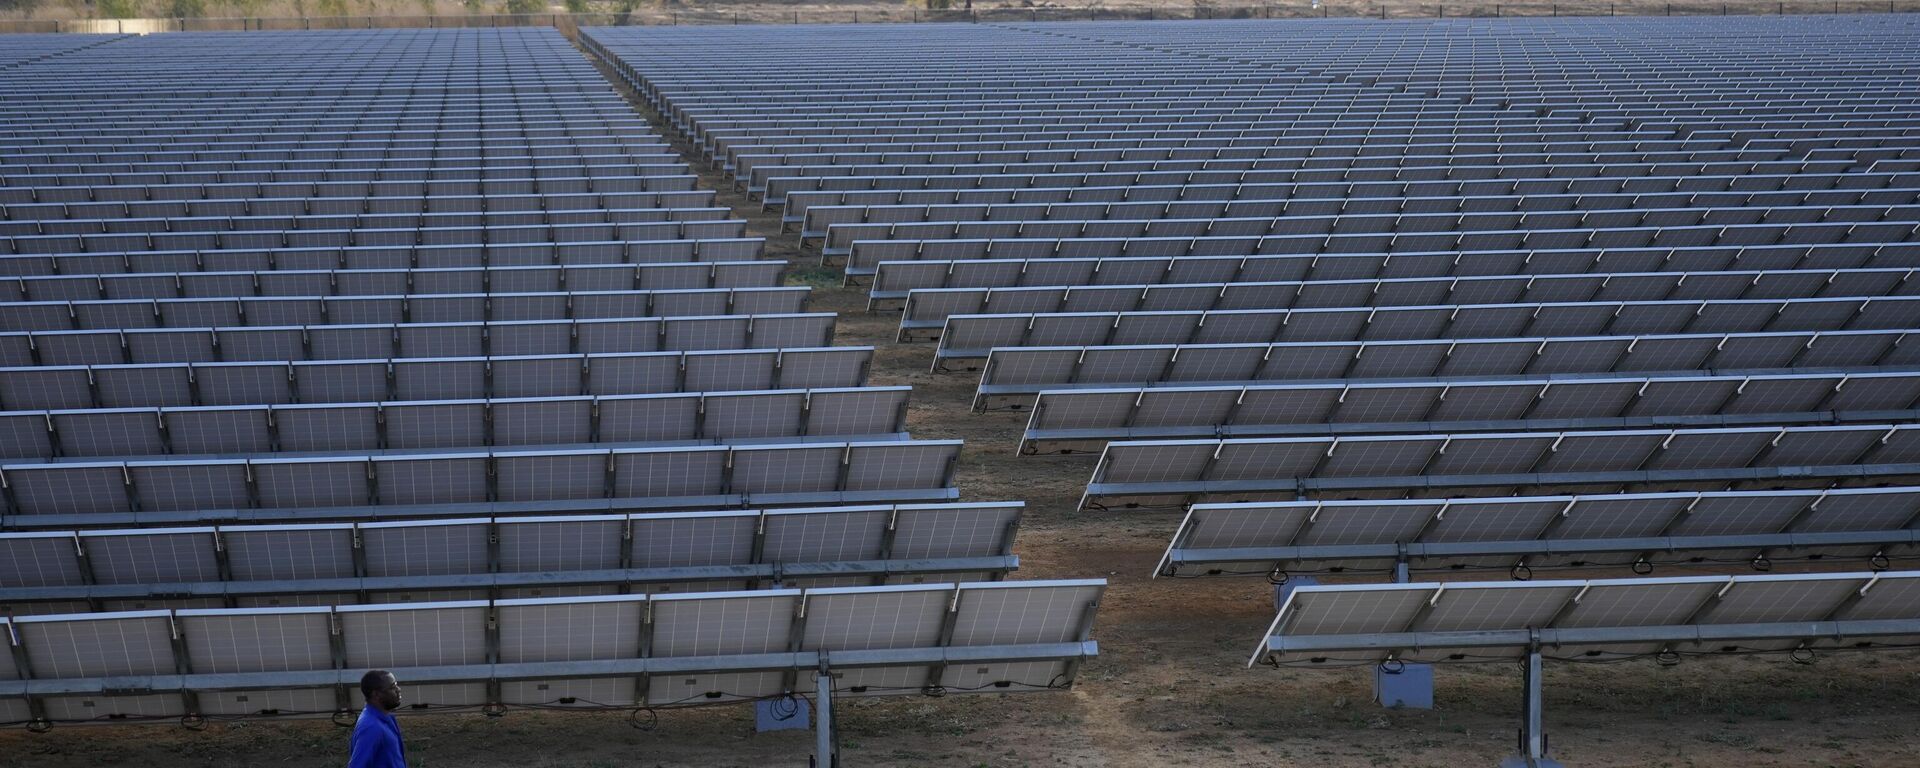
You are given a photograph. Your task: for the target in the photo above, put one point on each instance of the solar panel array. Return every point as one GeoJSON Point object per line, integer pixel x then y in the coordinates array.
{"type": "Point", "coordinates": [397, 268]}
{"type": "Point", "coordinates": [297, 328]}
{"type": "Point", "coordinates": [346, 563]}
{"type": "Point", "coordinates": [1440, 295]}
{"type": "Point", "coordinates": [1237, 231]}
{"type": "Point", "coordinates": [1522, 535]}
{"type": "Point", "coordinates": [622, 650]}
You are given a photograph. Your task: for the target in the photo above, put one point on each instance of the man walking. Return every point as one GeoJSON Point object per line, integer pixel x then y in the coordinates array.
{"type": "Point", "coordinates": [376, 737]}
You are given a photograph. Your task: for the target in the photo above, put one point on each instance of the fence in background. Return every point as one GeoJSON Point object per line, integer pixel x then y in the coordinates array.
{"type": "Point", "coordinates": [697, 16]}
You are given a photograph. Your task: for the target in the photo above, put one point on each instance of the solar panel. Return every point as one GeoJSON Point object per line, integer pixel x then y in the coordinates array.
{"type": "Point", "coordinates": [1067, 420]}
{"type": "Point", "coordinates": [1137, 472]}
{"type": "Point", "coordinates": [1524, 534]}
{"type": "Point", "coordinates": [1575, 619]}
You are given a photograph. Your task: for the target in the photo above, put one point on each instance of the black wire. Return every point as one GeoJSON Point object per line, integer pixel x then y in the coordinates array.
{"type": "Point", "coordinates": [784, 708]}
{"type": "Point", "coordinates": [650, 724]}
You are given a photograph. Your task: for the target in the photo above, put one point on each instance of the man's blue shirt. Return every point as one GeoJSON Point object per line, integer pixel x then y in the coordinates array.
{"type": "Point", "coordinates": [376, 741]}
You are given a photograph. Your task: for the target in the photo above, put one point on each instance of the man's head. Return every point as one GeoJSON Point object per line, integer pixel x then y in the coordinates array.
{"type": "Point", "coordinates": [381, 689]}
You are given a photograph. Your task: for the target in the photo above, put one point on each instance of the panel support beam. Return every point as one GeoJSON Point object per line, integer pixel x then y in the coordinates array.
{"type": "Point", "coordinates": [564, 670]}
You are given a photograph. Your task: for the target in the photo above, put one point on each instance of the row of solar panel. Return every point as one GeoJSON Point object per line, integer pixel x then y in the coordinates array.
{"type": "Point", "coordinates": [50, 387]}
{"type": "Point", "coordinates": [1333, 624]}
{"type": "Point", "coordinates": [38, 560]}
{"type": "Point", "coordinates": [843, 225]}
{"type": "Point", "coordinates": [1271, 172]}
{"type": "Point", "coordinates": [16, 50]}
{"type": "Point", "coordinates": [1012, 376]}
{"type": "Point", "coordinates": [554, 217]}
{"type": "Point", "coordinates": [1483, 462]}
{"type": "Point", "coordinates": [469, 639]}
{"type": "Point", "coordinates": [543, 117]}
{"type": "Point", "coordinates": [455, 166]}
{"type": "Point", "coordinates": [1253, 201]}
{"type": "Point", "coordinates": [709, 91]}
{"type": "Point", "coordinates": [1621, 176]}
{"type": "Point", "coordinates": [350, 149]}
{"type": "Point", "coordinates": [754, 164]}
{"type": "Point", "coordinates": [279, 311]}
{"type": "Point", "coordinates": [893, 280]}
{"type": "Point", "coordinates": [1094, 416]}
{"type": "Point", "coordinates": [562, 176]}
{"type": "Point", "coordinates": [973, 336]}
{"type": "Point", "coordinates": [388, 257]}
{"type": "Point", "coordinates": [347, 147]}
{"type": "Point", "coordinates": [1305, 107]}
{"type": "Point", "coordinates": [1292, 108]}
{"type": "Point", "coordinates": [133, 190]}
{"type": "Point", "coordinates": [379, 342]}
{"type": "Point", "coordinates": [733, 418]}
{"type": "Point", "coordinates": [777, 180]}
{"type": "Point", "coordinates": [727, 141]}
{"type": "Point", "coordinates": [751, 150]}
{"type": "Point", "coordinates": [986, 204]}
{"type": "Point", "coordinates": [347, 206]}
{"type": "Point", "coordinates": [717, 122]}
{"type": "Point", "coordinates": [763, 178]}
{"type": "Point", "coordinates": [740, 144]}
{"type": "Point", "coordinates": [865, 256]}
{"type": "Point", "coordinates": [501, 482]}
{"type": "Point", "coordinates": [1347, 233]}
{"type": "Point", "coordinates": [363, 146]}
{"type": "Point", "coordinates": [761, 142]}
{"type": "Point", "coordinates": [927, 310]}
{"type": "Point", "coordinates": [1525, 534]}
{"type": "Point", "coordinates": [711, 124]}
{"type": "Point", "coordinates": [553, 107]}
{"type": "Point", "coordinates": [715, 128]}
{"type": "Point", "coordinates": [393, 282]}
{"type": "Point", "coordinates": [1062, 190]}
{"type": "Point", "coordinates": [344, 238]}
{"type": "Point", "coordinates": [890, 82]}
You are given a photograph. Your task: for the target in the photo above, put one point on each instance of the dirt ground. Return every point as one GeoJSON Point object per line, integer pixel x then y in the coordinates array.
{"type": "Point", "coordinates": [1170, 686]}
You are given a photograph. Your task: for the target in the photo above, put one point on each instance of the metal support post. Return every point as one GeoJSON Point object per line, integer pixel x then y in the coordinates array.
{"type": "Point", "coordinates": [826, 753]}
{"type": "Point", "coordinates": [1533, 735]}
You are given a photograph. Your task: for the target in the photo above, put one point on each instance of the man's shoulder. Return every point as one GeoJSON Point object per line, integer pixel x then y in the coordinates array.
{"type": "Point", "coordinates": [373, 719]}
